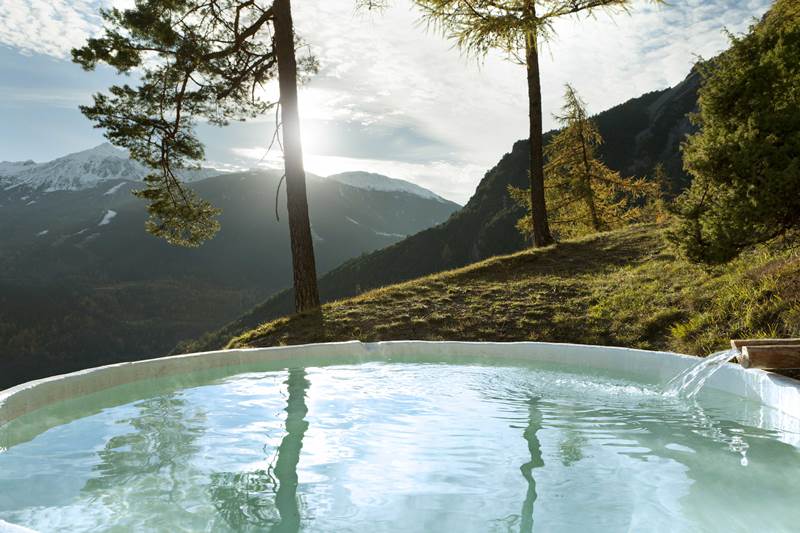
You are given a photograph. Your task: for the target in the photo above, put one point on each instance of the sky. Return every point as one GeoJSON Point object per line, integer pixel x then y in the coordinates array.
{"type": "Point", "coordinates": [391, 96]}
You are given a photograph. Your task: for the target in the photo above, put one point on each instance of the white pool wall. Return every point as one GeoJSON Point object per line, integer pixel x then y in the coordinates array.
{"type": "Point", "coordinates": [780, 393]}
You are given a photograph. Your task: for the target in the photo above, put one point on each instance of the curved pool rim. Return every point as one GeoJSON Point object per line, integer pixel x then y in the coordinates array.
{"type": "Point", "coordinates": [771, 390]}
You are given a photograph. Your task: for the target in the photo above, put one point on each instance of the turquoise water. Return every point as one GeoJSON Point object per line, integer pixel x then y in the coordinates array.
{"type": "Point", "coordinates": [400, 447]}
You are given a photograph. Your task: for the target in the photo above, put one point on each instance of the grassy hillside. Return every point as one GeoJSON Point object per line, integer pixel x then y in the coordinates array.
{"type": "Point", "coordinates": [622, 288]}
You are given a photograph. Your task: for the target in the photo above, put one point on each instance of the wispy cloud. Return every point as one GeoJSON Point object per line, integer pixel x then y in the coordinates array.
{"type": "Point", "coordinates": [49, 27]}
{"type": "Point", "coordinates": [66, 98]}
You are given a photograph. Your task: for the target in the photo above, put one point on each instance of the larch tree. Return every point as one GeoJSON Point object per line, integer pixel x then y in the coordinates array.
{"type": "Point", "coordinates": [583, 194]}
{"type": "Point", "coordinates": [518, 28]}
{"type": "Point", "coordinates": [202, 60]}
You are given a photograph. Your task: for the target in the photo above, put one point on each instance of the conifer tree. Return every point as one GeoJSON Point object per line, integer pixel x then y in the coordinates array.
{"type": "Point", "coordinates": [583, 194]}
{"type": "Point", "coordinates": [518, 28]}
{"type": "Point", "coordinates": [201, 60]}
{"type": "Point", "coordinates": [745, 160]}
{"type": "Point", "coordinates": [659, 206]}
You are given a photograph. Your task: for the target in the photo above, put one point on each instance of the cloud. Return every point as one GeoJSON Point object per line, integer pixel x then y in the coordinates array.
{"type": "Point", "coordinates": [393, 97]}
{"type": "Point", "coordinates": [65, 98]}
{"type": "Point", "coordinates": [49, 27]}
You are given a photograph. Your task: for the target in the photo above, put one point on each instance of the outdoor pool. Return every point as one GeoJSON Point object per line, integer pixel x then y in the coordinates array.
{"type": "Point", "coordinates": [401, 443]}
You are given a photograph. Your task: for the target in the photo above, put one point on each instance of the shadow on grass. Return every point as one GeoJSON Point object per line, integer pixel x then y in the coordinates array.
{"type": "Point", "coordinates": [309, 327]}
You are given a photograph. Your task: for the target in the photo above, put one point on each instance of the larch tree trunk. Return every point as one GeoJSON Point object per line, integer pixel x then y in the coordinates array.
{"type": "Point", "coordinates": [306, 294]}
{"type": "Point", "coordinates": [541, 228]}
{"type": "Point", "coordinates": [588, 192]}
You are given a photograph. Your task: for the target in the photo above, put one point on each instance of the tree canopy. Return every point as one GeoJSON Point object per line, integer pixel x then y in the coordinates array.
{"type": "Point", "coordinates": [745, 160]}
{"type": "Point", "coordinates": [196, 60]}
{"type": "Point", "coordinates": [583, 194]}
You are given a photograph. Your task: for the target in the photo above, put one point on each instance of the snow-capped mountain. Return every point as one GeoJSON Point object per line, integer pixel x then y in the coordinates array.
{"type": "Point", "coordinates": [379, 182]}
{"type": "Point", "coordinates": [10, 168]}
{"type": "Point", "coordinates": [82, 170]}
{"type": "Point", "coordinates": [89, 168]}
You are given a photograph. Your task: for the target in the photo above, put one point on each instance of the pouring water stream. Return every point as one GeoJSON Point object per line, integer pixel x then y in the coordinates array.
{"type": "Point", "coordinates": [689, 382]}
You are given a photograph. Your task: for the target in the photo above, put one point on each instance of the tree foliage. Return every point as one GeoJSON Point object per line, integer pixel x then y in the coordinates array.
{"type": "Point", "coordinates": [196, 60]}
{"type": "Point", "coordinates": [516, 27]}
{"type": "Point", "coordinates": [745, 160]}
{"type": "Point", "coordinates": [583, 194]}
{"type": "Point", "coordinates": [507, 25]}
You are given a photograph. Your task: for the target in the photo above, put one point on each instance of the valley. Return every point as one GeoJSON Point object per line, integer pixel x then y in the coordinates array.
{"type": "Point", "coordinates": [83, 283]}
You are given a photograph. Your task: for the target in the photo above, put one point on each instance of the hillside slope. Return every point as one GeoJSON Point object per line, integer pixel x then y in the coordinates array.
{"type": "Point", "coordinates": [623, 288]}
{"type": "Point", "coordinates": [638, 134]}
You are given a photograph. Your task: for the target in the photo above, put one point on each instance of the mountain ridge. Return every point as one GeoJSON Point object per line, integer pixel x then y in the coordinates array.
{"type": "Point", "coordinates": [105, 162]}
{"type": "Point", "coordinates": [84, 169]}
{"type": "Point", "coordinates": [379, 182]}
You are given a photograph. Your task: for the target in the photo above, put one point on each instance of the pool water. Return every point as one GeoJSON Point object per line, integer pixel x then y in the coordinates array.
{"type": "Point", "coordinates": [402, 447]}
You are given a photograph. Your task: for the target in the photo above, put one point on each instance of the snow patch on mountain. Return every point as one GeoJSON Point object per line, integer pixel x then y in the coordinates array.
{"type": "Point", "coordinates": [393, 235]}
{"type": "Point", "coordinates": [113, 189]}
{"type": "Point", "coordinates": [83, 170]}
{"type": "Point", "coordinates": [379, 182]}
{"type": "Point", "coordinates": [108, 217]}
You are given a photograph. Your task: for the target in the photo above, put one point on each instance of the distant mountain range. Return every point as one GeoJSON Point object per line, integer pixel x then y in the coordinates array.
{"type": "Point", "coordinates": [75, 214]}
{"type": "Point", "coordinates": [105, 162]}
{"type": "Point", "coordinates": [81, 282]}
{"type": "Point", "coordinates": [638, 135]}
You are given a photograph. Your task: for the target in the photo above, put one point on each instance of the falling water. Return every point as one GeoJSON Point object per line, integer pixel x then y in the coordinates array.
{"type": "Point", "coordinates": [689, 382]}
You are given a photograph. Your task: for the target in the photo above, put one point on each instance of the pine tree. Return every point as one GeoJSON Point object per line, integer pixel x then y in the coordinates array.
{"type": "Point", "coordinates": [583, 194]}
{"type": "Point", "coordinates": [201, 60]}
{"type": "Point", "coordinates": [516, 27]}
{"type": "Point", "coordinates": [745, 160]}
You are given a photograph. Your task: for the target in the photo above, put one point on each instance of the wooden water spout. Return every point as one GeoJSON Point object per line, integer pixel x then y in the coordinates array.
{"type": "Point", "coordinates": [768, 354]}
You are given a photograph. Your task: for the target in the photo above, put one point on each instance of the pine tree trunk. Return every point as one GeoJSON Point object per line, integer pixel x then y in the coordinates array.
{"type": "Point", "coordinates": [306, 295]}
{"type": "Point", "coordinates": [541, 228]}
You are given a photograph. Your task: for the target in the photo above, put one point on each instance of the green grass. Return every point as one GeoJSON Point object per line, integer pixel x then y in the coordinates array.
{"type": "Point", "coordinates": [623, 288]}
